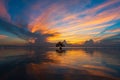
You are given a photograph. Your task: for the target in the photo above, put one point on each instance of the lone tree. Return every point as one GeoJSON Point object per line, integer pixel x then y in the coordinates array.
{"type": "Point", "coordinates": [60, 45]}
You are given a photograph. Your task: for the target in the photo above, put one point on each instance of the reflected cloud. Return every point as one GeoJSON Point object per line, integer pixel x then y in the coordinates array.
{"type": "Point", "coordinates": [49, 64]}
{"type": "Point", "coordinates": [60, 51]}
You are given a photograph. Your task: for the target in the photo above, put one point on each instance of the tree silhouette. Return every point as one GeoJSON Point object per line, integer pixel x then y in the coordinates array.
{"type": "Point", "coordinates": [60, 45]}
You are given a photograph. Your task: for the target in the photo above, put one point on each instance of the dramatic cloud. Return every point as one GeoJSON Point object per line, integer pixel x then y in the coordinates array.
{"type": "Point", "coordinates": [53, 21]}
{"type": "Point", "coordinates": [83, 23]}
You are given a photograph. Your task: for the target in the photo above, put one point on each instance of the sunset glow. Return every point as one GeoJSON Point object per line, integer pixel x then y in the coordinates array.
{"type": "Point", "coordinates": [64, 20]}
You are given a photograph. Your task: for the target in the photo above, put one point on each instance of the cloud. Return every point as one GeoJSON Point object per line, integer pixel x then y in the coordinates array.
{"type": "Point", "coordinates": [91, 22]}
{"type": "Point", "coordinates": [21, 34]}
{"type": "Point", "coordinates": [112, 40]}
{"type": "Point", "coordinates": [114, 31]}
{"type": "Point", "coordinates": [41, 24]}
{"type": "Point", "coordinates": [55, 21]}
{"type": "Point", "coordinates": [3, 36]}
{"type": "Point", "coordinates": [99, 19]}
{"type": "Point", "coordinates": [102, 37]}
{"type": "Point", "coordinates": [58, 20]}
{"type": "Point", "coordinates": [3, 11]}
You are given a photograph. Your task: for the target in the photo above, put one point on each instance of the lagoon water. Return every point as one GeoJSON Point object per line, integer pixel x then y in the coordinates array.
{"type": "Point", "coordinates": [66, 64]}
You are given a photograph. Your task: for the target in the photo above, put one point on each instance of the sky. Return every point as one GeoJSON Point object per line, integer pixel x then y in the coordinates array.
{"type": "Point", "coordinates": [51, 21]}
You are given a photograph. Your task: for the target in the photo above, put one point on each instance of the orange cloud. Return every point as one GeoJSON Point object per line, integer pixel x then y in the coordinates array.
{"type": "Point", "coordinates": [74, 27]}
{"type": "Point", "coordinates": [3, 36]}
{"type": "Point", "coordinates": [41, 23]}
{"type": "Point", "coordinates": [101, 18]}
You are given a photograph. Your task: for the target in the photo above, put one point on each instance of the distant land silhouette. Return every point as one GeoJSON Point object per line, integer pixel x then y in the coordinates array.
{"type": "Point", "coordinates": [88, 43]}
{"type": "Point", "coordinates": [91, 43]}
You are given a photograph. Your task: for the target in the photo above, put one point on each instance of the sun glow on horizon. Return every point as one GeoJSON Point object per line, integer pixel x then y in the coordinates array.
{"type": "Point", "coordinates": [75, 24]}
{"type": "Point", "coordinates": [78, 27]}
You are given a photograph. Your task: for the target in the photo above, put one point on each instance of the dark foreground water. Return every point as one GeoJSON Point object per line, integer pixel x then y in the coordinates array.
{"type": "Point", "coordinates": [66, 64]}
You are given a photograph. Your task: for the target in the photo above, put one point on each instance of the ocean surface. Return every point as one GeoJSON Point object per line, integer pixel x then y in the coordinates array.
{"type": "Point", "coordinates": [54, 64]}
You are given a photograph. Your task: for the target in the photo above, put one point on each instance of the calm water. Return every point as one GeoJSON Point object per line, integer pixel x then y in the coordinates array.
{"type": "Point", "coordinates": [66, 64]}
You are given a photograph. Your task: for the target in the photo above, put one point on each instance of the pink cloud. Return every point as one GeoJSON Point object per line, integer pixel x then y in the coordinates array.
{"type": "Point", "coordinates": [3, 11]}
{"type": "Point", "coordinates": [114, 30]}
{"type": "Point", "coordinates": [3, 36]}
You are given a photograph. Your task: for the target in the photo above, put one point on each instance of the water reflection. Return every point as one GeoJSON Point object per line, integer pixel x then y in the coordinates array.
{"type": "Point", "coordinates": [65, 64]}
{"type": "Point", "coordinates": [61, 52]}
